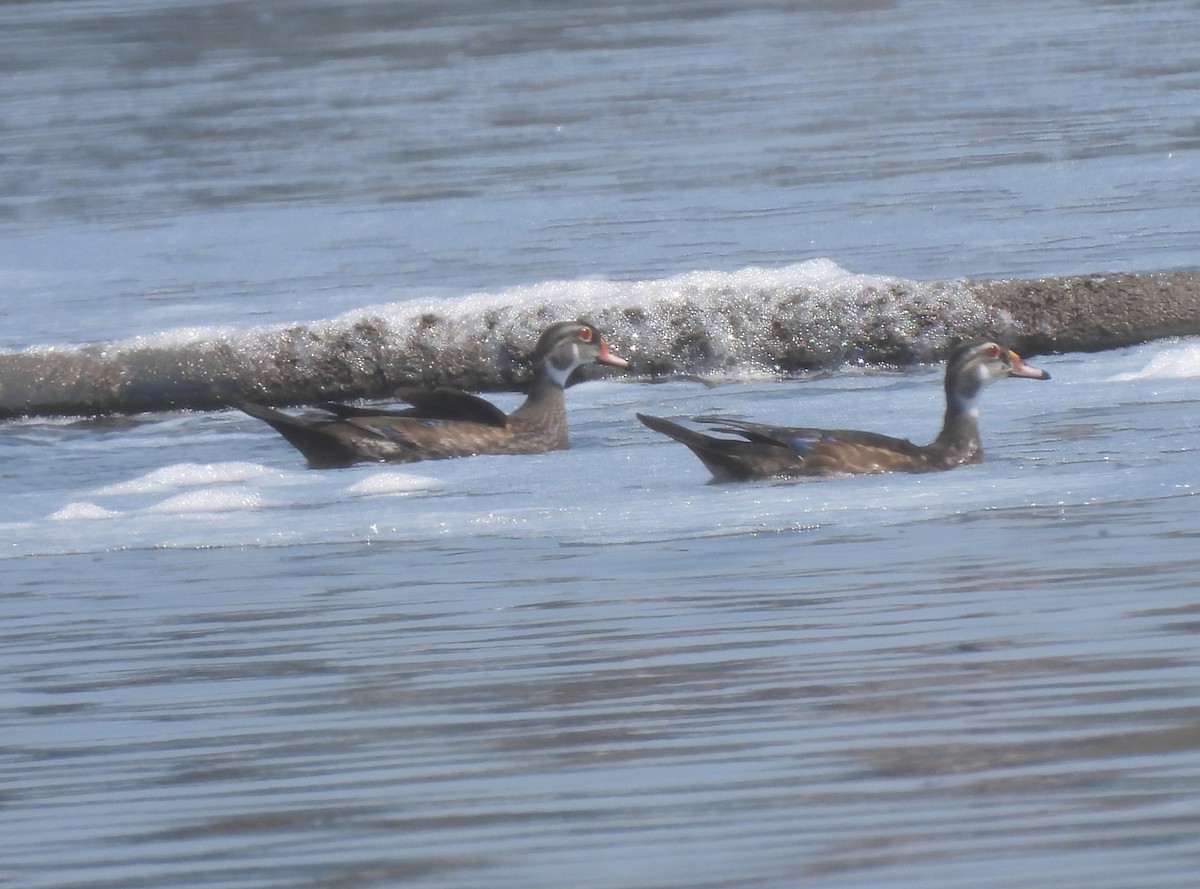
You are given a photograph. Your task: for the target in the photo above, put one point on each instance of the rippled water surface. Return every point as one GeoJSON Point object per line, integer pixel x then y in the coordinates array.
{"type": "Point", "coordinates": [592, 668]}
{"type": "Point", "coordinates": [198, 163]}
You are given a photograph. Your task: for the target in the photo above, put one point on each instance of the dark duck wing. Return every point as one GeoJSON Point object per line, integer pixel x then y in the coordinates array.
{"type": "Point", "coordinates": [764, 451]}
{"type": "Point", "coordinates": [779, 451]}
{"type": "Point", "coordinates": [730, 459]}
{"type": "Point", "coordinates": [325, 441]}
{"type": "Point", "coordinates": [829, 451]}
{"type": "Point", "coordinates": [430, 404]}
{"type": "Point", "coordinates": [444, 423]}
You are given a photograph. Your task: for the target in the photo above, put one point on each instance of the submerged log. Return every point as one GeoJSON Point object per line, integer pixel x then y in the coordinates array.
{"type": "Point", "coordinates": [701, 323]}
{"type": "Point", "coordinates": [1091, 313]}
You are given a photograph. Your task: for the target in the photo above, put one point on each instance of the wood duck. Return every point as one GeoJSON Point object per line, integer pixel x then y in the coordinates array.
{"type": "Point", "coordinates": [445, 423]}
{"type": "Point", "coordinates": [780, 451]}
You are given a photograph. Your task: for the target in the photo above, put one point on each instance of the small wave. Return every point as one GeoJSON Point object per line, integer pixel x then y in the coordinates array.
{"type": "Point", "coordinates": [82, 511]}
{"type": "Point", "coordinates": [207, 501]}
{"type": "Point", "coordinates": [384, 483]}
{"type": "Point", "coordinates": [1178, 362]}
{"type": "Point", "coordinates": [187, 475]}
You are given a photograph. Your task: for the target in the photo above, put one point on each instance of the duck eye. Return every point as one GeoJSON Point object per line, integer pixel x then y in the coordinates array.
{"type": "Point", "coordinates": [586, 334]}
{"type": "Point", "coordinates": [993, 351]}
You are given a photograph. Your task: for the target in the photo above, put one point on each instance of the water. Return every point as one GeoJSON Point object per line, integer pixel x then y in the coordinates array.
{"type": "Point", "coordinates": [592, 668]}
{"type": "Point", "coordinates": [202, 163]}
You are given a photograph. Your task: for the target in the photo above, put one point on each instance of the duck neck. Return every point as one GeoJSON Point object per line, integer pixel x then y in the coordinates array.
{"type": "Point", "coordinates": [544, 408]}
{"type": "Point", "coordinates": [958, 442]}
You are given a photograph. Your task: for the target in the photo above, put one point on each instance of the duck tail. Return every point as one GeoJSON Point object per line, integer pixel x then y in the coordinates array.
{"type": "Point", "coordinates": [726, 458]}
{"type": "Point", "coordinates": [316, 439]}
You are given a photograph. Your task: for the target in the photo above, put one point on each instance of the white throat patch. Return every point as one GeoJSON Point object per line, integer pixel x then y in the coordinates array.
{"type": "Point", "coordinates": [560, 375]}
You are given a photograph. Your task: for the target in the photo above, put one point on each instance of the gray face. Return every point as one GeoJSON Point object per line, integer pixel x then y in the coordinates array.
{"type": "Point", "coordinates": [970, 368]}
{"type": "Point", "coordinates": [975, 365]}
{"type": "Point", "coordinates": [566, 346]}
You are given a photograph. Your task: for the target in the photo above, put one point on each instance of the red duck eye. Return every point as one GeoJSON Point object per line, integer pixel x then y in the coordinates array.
{"type": "Point", "coordinates": [993, 351]}
{"type": "Point", "coordinates": [586, 334]}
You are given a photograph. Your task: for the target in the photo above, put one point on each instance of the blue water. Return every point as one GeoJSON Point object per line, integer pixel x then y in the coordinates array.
{"type": "Point", "coordinates": [592, 668]}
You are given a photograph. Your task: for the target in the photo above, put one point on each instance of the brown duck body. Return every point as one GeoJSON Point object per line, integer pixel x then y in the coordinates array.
{"type": "Point", "coordinates": [764, 451]}
{"type": "Point", "coordinates": [446, 423]}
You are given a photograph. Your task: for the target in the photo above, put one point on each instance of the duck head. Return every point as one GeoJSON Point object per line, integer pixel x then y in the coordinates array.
{"type": "Point", "coordinates": [568, 345]}
{"type": "Point", "coordinates": [974, 365]}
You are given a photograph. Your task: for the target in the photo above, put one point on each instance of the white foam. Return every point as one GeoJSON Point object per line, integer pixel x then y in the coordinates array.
{"type": "Point", "coordinates": [82, 510]}
{"type": "Point", "coordinates": [750, 321]}
{"type": "Point", "coordinates": [187, 475]}
{"type": "Point", "coordinates": [720, 315]}
{"type": "Point", "coordinates": [1179, 361]}
{"type": "Point", "coordinates": [383, 483]}
{"type": "Point", "coordinates": [179, 337]}
{"type": "Point", "coordinates": [623, 483]}
{"type": "Point", "coordinates": [589, 296]}
{"type": "Point", "coordinates": [208, 501]}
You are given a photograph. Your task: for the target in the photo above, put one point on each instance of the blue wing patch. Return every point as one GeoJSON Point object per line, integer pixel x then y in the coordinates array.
{"type": "Point", "coordinates": [804, 442]}
{"type": "Point", "coordinates": [396, 433]}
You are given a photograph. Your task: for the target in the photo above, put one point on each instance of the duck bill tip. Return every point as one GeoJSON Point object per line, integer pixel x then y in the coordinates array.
{"type": "Point", "coordinates": [607, 357]}
{"type": "Point", "coordinates": [1021, 369]}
